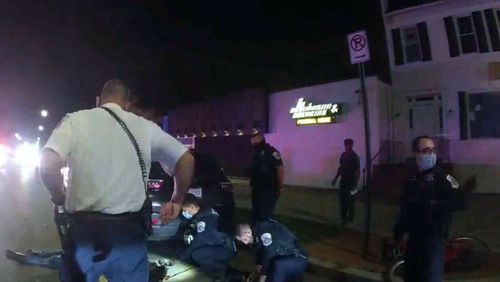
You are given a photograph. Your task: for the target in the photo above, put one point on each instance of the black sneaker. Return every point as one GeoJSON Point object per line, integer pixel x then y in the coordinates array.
{"type": "Point", "coordinates": [156, 273]}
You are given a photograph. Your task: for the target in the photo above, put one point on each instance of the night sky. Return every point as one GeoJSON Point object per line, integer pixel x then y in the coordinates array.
{"type": "Point", "coordinates": [57, 54]}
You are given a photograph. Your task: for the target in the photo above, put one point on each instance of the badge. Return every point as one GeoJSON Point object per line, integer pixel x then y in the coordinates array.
{"type": "Point", "coordinates": [277, 156]}
{"type": "Point", "coordinates": [200, 227]}
{"type": "Point", "coordinates": [454, 183]}
{"type": "Point", "coordinates": [266, 239]}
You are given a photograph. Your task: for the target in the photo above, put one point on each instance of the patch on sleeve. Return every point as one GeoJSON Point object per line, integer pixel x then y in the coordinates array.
{"type": "Point", "coordinates": [277, 155]}
{"type": "Point", "coordinates": [266, 239]}
{"type": "Point", "coordinates": [200, 227]}
{"type": "Point", "coordinates": [454, 183]}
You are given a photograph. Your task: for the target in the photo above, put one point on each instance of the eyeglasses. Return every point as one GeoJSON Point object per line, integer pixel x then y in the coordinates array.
{"type": "Point", "coordinates": [427, 150]}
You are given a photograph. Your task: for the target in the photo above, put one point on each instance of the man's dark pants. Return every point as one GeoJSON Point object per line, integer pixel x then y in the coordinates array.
{"type": "Point", "coordinates": [424, 258]}
{"type": "Point", "coordinates": [263, 202]}
{"type": "Point", "coordinates": [346, 201]}
{"type": "Point", "coordinates": [212, 259]}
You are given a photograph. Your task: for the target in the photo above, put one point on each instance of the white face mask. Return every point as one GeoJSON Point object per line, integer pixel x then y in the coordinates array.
{"type": "Point", "coordinates": [187, 215]}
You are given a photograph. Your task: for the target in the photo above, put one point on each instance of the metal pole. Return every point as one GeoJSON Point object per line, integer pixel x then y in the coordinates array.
{"type": "Point", "coordinates": [368, 160]}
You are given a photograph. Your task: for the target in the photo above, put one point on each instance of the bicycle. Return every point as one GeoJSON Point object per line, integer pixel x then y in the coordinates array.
{"type": "Point", "coordinates": [463, 253]}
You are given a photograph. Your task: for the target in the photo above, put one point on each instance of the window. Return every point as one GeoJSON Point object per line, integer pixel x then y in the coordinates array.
{"type": "Point", "coordinates": [479, 115]}
{"type": "Point", "coordinates": [411, 44]}
{"type": "Point", "coordinates": [472, 33]}
{"type": "Point", "coordinates": [467, 34]}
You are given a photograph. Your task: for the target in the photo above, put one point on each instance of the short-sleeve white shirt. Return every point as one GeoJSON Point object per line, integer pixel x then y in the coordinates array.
{"type": "Point", "coordinates": [104, 170]}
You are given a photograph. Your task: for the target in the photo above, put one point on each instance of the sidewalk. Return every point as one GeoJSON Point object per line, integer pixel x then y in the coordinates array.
{"type": "Point", "coordinates": [312, 213]}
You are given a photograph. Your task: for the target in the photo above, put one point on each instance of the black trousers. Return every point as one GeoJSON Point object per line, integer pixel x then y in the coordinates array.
{"type": "Point", "coordinates": [424, 258]}
{"type": "Point", "coordinates": [287, 269]}
{"type": "Point", "coordinates": [346, 202]}
{"type": "Point", "coordinates": [264, 201]}
{"type": "Point", "coordinates": [212, 259]}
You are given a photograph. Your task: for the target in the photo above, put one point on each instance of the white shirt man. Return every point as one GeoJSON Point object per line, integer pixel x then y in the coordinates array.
{"type": "Point", "coordinates": [105, 176]}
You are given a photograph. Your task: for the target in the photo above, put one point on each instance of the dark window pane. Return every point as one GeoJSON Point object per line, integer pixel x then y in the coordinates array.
{"type": "Point", "coordinates": [469, 44]}
{"type": "Point", "coordinates": [412, 53]}
{"type": "Point", "coordinates": [483, 115]}
{"type": "Point", "coordinates": [411, 44]}
{"type": "Point", "coordinates": [410, 35]}
{"type": "Point", "coordinates": [465, 25]}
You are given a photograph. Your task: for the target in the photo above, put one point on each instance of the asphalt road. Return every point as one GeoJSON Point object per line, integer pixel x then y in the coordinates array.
{"type": "Point", "coordinates": [26, 223]}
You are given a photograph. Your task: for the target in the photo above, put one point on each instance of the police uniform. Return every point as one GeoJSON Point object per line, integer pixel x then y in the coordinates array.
{"type": "Point", "coordinates": [105, 181]}
{"type": "Point", "coordinates": [427, 203]}
{"type": "Point", "coordinates": [278, 252]}
{"type": "Point", "coordinates": [207, 248]}
{"type": "Point", "coordinates": [264, 181]}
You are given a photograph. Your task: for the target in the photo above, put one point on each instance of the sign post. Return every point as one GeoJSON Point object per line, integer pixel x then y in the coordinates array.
{"type": "Point", "coordinates": [360, 53]}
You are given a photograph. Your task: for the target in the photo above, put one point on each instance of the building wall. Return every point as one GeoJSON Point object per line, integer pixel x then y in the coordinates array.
{"type": "Point", "coordinates": [447, 76]}
{"type": "Point", "coordinates": [243, 110]}
{"type": "Point", "coordinates": [311, 153]}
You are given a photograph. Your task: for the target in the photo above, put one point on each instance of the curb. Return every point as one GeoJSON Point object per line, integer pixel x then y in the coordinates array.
{"type": "Point", "coordinates": [375, 276]}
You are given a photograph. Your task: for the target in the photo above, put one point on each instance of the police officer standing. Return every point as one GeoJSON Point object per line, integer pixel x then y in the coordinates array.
{"type": "Point", "coordinates": [280, 258]}
{"type": "Point", "coordinates": [267, 176]}
{"type": "Point", "coordinates": [349, 171]}
{"type": "Point", "coordinates": [427, 203]}
{"type": "Point", "coordinates": [109, 152]}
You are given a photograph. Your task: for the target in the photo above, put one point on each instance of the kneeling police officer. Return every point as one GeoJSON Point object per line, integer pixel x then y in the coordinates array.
{"type": "Point", "coordinates": [280, 258]}
{"type": "Point", "coordinates": [208, 248]}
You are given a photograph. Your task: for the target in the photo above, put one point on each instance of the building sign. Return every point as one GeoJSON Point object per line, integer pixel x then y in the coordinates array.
{"type": "Point", "coordinates": [309, 114]}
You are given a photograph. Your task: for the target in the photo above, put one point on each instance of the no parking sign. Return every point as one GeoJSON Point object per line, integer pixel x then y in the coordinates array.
{"type": "Point", "coordinates": [358, 47]}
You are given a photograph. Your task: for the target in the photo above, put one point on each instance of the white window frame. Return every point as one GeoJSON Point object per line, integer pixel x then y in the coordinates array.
{"type": "Point", "coordinates": [403, 41]}
{"type": "Point", "coordinates": [459, 35]}
{"type": "Point", "coordinates": [497, 17]}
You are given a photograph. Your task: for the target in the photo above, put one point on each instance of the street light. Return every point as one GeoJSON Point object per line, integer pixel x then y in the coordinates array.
{"type": "Point", "coordinates": [44, 113]}
{"type": "Point", "coordinates": [18, 136]}
{"type": "Point", "coordinates": [41, 128]}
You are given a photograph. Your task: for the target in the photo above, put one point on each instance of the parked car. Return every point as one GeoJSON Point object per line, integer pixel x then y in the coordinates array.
{"type": "Point", "coordinates": [210, 183]}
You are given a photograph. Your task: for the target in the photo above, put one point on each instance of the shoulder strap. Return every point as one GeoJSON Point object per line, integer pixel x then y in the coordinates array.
{"type": "Point", "coordinates": [134, 143]}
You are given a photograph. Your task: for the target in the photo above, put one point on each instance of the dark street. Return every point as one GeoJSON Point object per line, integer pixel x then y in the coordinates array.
{"type": "Point", "coordinates": [26, 219]}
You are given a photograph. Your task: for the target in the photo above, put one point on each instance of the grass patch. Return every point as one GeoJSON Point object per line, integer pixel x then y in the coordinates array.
{"type": "Point", "coordinates": [305, 230]}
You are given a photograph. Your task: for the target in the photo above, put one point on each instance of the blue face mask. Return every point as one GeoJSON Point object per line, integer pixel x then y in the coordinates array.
{"type": "Point", "coordinates": [426, 161]}
{"type": "Point", "coordinates": [187, 215]}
